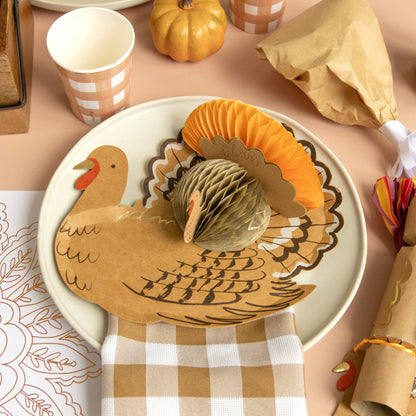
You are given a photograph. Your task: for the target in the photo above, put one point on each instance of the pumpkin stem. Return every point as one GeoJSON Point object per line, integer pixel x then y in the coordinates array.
{"type": "Point", "coordinates": [186, 4]}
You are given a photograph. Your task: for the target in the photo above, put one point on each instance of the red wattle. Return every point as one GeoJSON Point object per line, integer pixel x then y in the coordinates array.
{"type": "Point", "coordinates": [83, 181]}
{"type": "Point", "coordinates": [348, 378]}
{"type": "Point", "coordinates": [191, 207]}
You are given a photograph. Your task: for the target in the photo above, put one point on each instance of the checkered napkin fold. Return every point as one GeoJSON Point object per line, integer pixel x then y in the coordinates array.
{"type": "Point", "coordinates": [163, 369]}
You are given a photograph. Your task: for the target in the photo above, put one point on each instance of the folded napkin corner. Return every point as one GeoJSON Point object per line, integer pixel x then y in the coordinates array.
{"type": "Point", "coordinates": [256, 368]}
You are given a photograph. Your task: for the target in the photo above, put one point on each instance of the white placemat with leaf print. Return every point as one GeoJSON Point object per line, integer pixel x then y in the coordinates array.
{"type": "Point", "coordinates": [46, 368]}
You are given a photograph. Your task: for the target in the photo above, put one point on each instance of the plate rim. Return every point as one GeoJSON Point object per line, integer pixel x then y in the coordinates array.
{"type": "Point", "coordinates": [163, 101]}
{"type": "Point", "coordinates": [361, 220]}
{"type": "Point", "coordinates": [69, 5]}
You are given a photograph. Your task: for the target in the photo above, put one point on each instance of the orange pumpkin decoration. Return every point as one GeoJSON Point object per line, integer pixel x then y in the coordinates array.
{"type": "Point", "coordinates": [230, 118]}
{"type": "Point", "coordinates": [187, 30]}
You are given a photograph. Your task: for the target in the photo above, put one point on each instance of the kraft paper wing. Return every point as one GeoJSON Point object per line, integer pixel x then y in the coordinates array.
{"type": "Point", "coordinates": [335, 53]}
{"type": "Point", "coordinates": [133, 260]}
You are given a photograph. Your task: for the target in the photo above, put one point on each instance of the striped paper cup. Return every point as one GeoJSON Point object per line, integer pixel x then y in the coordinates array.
{"type": "Point", "coordinates": [92, 50]}
{"type": "Point", "coordinates": [257, 16]}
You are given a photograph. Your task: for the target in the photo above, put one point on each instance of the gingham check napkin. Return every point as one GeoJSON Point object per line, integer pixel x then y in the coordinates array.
{"type": "Point", "coordinates": [163, 369]}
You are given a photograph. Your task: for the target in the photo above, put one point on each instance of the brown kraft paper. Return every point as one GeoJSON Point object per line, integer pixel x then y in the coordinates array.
{"type": "Point", "coordinates": [335, 53]}
{"type": "Point", "coordinates": [386, 378]}
{"type": "Point", "coordinates": [102, 251]}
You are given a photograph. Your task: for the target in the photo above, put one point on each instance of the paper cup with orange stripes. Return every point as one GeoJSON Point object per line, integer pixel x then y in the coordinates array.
{"type": "Point", "coordinates": [92, 50]}
{"type": "Point", "coordinates": [257, 16]}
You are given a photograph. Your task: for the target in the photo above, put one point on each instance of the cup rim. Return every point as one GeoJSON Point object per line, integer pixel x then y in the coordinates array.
{"type": "Point", "coordinates": [98, 69]}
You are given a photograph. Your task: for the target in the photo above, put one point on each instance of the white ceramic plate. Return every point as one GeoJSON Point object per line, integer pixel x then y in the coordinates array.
{"type": "Point", "coordinates": [139, 131]}
{"type": "Point", "coordinates": [67, 5]}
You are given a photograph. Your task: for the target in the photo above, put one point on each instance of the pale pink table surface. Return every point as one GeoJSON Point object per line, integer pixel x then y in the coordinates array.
{"type": "Point", "coordinates": [27, 161]}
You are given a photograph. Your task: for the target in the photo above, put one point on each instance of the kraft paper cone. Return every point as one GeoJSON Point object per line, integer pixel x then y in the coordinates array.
{"type": "Point", "coordinates": [335, 53]}
{"type": "Point", "coordinates": [387, 374]}
{"type": "Point", "coordinates": [349, 80]}
{"type": "Point", "coordinates": [385, 377]}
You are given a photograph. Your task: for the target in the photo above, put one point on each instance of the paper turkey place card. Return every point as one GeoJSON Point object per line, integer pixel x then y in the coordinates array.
{"type": "Point", "coordinates": [242, 254]}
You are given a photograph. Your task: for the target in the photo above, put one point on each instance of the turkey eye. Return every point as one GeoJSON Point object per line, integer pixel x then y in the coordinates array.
{"type": "Point", "coordinates": [113, 166]}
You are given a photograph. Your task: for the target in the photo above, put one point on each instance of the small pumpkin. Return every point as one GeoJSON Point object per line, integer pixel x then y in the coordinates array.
{"type": "Point", "coordinates": [187, 30]}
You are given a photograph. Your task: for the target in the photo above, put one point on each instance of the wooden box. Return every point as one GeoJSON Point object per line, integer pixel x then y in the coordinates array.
{"type": "Point", "coordinates": [9, 56]}
{"type": "Point", "coordinates": [16, 57]}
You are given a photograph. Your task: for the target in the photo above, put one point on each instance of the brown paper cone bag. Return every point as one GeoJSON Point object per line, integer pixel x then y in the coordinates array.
{"type": "Point", "coordinates": [335, 53]}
